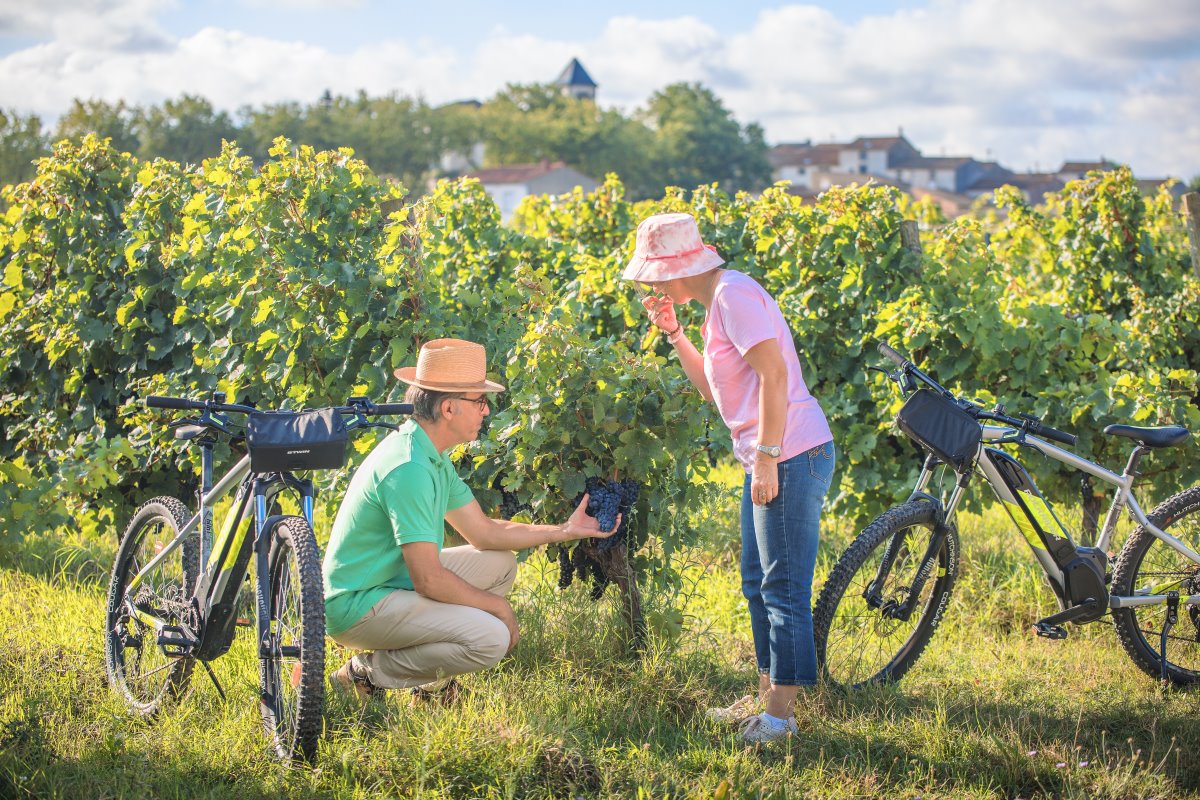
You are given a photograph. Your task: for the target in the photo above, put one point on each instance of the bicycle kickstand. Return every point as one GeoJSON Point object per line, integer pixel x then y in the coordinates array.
{"type": "Point", "coordinates": [1172, 618]}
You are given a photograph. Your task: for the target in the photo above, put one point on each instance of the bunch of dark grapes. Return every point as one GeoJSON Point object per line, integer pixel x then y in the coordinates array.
{"type": "Point", "coordinates": [510, 506]}
{"type": "Point", "coordinates": [600, 581]}
{"type": "Point", "coordinates": [606, 499]}
{"type": "Point", "coordinates": [566, 570]}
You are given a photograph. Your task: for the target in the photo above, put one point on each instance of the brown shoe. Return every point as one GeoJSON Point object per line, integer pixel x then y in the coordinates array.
{"type": "Point", "coordinates": [445, 692]}
{"type": "Point", "coordinates": [349, 681]}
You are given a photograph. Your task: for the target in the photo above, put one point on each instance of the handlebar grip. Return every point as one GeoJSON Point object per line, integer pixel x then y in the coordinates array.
{"type": "Point", "coordinates": [1059, 436]}
{"type": "Point", "coordinates": [180, 403]}
{"type": "Point", "coordinates": [886, 350]}
{"type": "Point", "coordinates": [391, 408]}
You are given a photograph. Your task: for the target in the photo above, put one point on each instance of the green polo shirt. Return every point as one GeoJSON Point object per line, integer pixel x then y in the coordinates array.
{"type": "Point", "coordinates": [400, 494]}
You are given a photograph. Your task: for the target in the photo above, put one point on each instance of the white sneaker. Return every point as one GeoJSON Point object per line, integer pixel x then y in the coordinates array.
{"type": "Point", "coordinates": [757, 730]}
{"type": "Point", "coordinates": [741, 708]}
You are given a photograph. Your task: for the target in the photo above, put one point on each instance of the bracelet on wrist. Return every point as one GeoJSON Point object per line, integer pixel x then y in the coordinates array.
{"type": "Point", "coordinates": [672, 336]}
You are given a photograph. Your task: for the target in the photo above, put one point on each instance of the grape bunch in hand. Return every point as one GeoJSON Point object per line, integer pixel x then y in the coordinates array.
{"type": "Point", "coordinates": [607, 499]}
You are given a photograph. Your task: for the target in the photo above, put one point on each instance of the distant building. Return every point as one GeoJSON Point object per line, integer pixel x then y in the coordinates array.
{"type": "Point", "coordinates": [954, 181]}
{"type": "Point", "coordinates": [575, 81]}
{"type": "Point", "coordinates": [876, 155]}
{"type": "Point", "coordinates": [508, 185]}
{"type": "Point", "coordinates": [800, 163]}
{"type": "Point", "coordinates": [1073, 170]}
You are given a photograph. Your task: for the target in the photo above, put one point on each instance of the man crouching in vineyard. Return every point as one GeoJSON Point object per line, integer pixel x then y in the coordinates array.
{"type": "Point", "coordinates": [750, 370]}
{"type": "Point", "coordinates": [426, 614]}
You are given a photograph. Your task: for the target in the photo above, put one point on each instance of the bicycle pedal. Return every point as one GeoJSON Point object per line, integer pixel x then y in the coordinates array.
{"type": "Point", "coordinates": [1049, 631]}
{"type": "Point", "coordinates": [243, 622]}
{"type": "Point", "coordinates": [174, 642]}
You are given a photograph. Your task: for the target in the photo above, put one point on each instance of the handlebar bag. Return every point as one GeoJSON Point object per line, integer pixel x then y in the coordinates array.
{"type": "Point", "coordinates": [282, 441]}
{"type": "Point", "coordinates": [941, 426]}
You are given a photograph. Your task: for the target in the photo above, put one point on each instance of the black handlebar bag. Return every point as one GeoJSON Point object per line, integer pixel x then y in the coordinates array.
{"type": "Point", "coordinates": [283, 441]}
{"type": "Point", "coordinates": [942, 427]}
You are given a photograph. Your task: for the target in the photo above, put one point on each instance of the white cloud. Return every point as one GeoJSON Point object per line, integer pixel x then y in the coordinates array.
{"type": "Point", "coordinates": [1030, 82]}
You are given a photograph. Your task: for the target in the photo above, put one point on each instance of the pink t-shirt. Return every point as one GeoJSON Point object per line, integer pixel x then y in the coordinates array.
{"type": "Point", "coordinates": [743, 315]}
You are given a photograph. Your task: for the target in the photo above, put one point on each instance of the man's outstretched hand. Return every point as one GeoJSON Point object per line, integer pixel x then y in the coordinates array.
{"type": "Point", "coordinates": [583, 526]}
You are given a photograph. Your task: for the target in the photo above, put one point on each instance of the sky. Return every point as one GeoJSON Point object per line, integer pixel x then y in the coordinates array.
{"type": "Point", "coordinates": [1028, 83]}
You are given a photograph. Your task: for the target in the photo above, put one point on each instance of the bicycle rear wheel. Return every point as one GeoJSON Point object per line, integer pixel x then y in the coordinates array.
{"type": "Point", "coordinates": [857, 641]}
{"type": "Point", "coordinates": [1149, 566]}
{"type": "Point", "coordinates": [144, 672]}
{"type": "Point", "coordinates": [292, 670]}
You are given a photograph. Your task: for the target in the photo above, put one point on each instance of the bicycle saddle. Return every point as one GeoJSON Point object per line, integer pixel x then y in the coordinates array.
{"type": "Point", "coordinates": [1168, 436]}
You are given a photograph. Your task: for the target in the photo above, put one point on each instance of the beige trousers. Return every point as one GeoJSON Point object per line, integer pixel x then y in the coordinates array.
{"type": "Point", "coordinates": [414, 640]}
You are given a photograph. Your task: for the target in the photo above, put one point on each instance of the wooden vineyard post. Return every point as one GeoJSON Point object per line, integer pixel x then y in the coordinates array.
{"type": "Point", "coordinates": [910, 239]}
{"type": "Point", "coordinates": [1191, 214]}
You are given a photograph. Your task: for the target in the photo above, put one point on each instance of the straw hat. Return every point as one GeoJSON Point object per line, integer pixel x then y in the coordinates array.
{"type": "Point", "coordinates": [450, 365]}
{"type": "Point", "coordinates": [669, 246]}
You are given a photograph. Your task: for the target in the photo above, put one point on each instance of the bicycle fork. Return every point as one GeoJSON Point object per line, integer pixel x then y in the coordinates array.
{"type": "Point", "coordinates": [270, 649]}
{"type": "Point", "coordinates": [873, 595]}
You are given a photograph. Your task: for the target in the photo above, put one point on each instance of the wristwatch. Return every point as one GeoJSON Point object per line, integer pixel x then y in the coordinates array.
{"type": "Point", "coordinates": [771, 450]}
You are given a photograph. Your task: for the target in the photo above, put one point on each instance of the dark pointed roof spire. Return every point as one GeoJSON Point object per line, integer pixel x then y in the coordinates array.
{"type": "Point", "coordinates": [575, 75]}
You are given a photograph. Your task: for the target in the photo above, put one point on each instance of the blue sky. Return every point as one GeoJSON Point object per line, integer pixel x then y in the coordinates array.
{"type": "Point", "coordinates": [1029, 83]}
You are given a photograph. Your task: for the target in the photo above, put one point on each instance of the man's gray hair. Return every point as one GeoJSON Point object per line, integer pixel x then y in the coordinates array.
{"type": "Point", "coordinates": [427, 403]}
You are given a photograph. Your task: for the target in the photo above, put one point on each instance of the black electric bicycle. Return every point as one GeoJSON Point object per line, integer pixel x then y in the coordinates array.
{"type": "Point", "coordinates": [887, 593]}
{"type": "Point", "coordinates": [173, 597]}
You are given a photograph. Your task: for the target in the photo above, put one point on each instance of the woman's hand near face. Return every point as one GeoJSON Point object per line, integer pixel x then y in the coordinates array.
{"type": "Point", "coordinates": [661, 311]}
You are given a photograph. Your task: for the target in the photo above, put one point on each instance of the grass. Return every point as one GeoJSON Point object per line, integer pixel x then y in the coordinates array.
{"type": "Point", "coordinates": [989, 711]}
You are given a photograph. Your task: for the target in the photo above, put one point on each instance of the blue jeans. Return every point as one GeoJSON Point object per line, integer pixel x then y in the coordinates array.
{"type": "Point", "coordinates": [779, 552]}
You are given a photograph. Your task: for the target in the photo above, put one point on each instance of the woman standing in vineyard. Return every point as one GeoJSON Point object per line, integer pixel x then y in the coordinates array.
{"type": "Point", "coordinates": [750, 370]}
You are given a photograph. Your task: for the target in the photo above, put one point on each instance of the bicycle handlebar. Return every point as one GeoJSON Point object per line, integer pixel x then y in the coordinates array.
{"type": "Point", "coordinates": [391, 408]}
{"type": "Point", "coordinates": [179, 403]}
{"type": "Point", "coordinates": [1055, 434]}
{"type": "Point", "coordinates": [358, 405]}
{"type": "Point", "coordinates": [1023, 422]}
{"type": "Point", "coordinates": [886, 350]}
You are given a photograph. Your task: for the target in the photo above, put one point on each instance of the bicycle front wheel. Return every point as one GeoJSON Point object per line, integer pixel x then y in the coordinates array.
{"type": "Point", "coordinates": [144, 613]}
{"type": "Point", "coordinates": [292, 670]}
{"type": "Point", "coordinates": [860, 638]}
{"type": "Point", "coordinates": [1147, 565]}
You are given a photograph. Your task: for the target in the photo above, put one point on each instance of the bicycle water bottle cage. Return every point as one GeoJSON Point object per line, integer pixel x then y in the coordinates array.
{"type": "Point", "coordinates": [283, 441]}
{"type": "Point", "coordinates": [942, 427]}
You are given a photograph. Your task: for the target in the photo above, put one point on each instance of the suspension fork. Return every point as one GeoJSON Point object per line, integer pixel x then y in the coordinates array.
{"type": "Point", "coordinates": [266, 487]}
{"type": "Point", "coordinates": [874, 591]}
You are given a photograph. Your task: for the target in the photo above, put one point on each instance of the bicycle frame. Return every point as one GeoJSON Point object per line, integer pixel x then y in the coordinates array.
{"type": "Point", "coordinates": [225, 559]}
{"type": "Point", "coordinates": [1036, 519]}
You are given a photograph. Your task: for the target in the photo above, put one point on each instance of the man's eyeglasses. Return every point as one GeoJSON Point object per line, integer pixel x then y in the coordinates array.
{"type": "Point", "coordinates": [481, 401]}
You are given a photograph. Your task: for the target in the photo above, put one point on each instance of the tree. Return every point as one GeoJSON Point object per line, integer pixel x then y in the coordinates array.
{"type": "Point", "coordinates": [261, 126]}
{"type": "Point", "coordinates": [21, 141]}
{"type": "Point", "coordinates": [393, 134]}
{"type": "Point", "coordinates": [113, 121]}
{"type": "Point", "coordinates": [187, 130]}
{"type": "Point", "coordinates": [536, 122]}
{"type": "Point", "coordinates": [698, 140]}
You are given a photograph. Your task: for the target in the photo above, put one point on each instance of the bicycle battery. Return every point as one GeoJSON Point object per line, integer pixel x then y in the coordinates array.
{"type": "Point", "coordinates": [283, 441]}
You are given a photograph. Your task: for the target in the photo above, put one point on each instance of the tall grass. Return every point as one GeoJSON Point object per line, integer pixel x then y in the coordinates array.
{"type": "Point", "coordinates": [989, 711]}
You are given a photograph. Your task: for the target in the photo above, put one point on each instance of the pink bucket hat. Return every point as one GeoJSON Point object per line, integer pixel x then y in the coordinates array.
{"type": "Point", "coordinates": [669, 246]}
